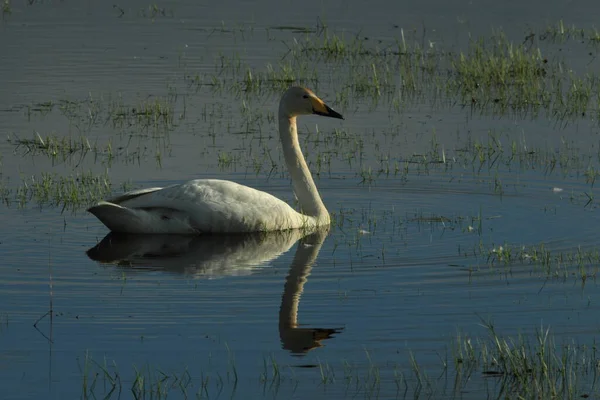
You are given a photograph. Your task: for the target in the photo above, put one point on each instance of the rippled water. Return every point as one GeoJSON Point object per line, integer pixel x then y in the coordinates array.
{"type": "Point", "coordinates": [422, 249]}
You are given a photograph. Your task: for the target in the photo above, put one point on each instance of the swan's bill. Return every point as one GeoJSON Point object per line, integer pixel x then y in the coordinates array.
{"type": "Point", "coordinates": [320, 108]}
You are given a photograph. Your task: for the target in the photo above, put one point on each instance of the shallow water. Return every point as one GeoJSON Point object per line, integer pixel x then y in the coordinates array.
{"type": "Point", "coordinates": [429, 241]}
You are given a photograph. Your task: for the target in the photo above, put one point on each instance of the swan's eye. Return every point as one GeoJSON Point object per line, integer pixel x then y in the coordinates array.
{"type": "Point", "coordinates": [305, 96]}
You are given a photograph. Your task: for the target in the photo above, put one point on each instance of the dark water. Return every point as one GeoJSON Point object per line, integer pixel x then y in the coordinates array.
{"type": "Point", "coordinates": [411, 259]}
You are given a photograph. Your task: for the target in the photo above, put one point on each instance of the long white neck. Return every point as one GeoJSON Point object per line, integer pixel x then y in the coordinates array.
{"type": "Point", "coordinates": [302, 181]}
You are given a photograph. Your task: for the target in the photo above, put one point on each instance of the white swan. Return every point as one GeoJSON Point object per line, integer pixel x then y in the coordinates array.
{"type": "Point", "coordinates": [212, 205]}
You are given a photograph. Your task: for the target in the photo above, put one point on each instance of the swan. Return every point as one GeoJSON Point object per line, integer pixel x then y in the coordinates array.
{"type": "Point", "coordinates": [219, 206]}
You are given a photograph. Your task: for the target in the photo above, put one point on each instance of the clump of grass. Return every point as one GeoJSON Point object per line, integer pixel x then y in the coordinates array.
{"type": "Point", "coordinates": [75, 149]}
{"type": "Point", "coordinates": [60, 148]}
{"type": "Point", "coordinates": [94, 373]}
{"type": "Point", "coordinates": [559, 33]}
{"type": "Point", "coordinates": [105, 379]}
{"type": "Point", "coordinates": [154, 10]}
{"type": "Point", "coordinates": [227, 160]}
{"type": "Point", "coordinates": [41, 108]}
{"type": "Point", "coordinates": [333, 46]}
{"type": "Point", "coordinates": [154, 383]}
{"type": "Point", "coordinates": [277, 79]}
{"type": "Point", "coordinates": [538, 368]}
{"type": "Point", "coordinates": [152, 112]}
{"type": "Point", "coordinates": [584, 263]}
{"type": "Point", "coordinates": [501, 73]}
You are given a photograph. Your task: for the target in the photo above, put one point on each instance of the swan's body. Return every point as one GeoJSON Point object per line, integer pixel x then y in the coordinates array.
{"type": "Point", "coordinates": [212, 205]}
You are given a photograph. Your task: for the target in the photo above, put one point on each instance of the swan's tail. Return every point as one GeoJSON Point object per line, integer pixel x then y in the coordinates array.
{"type": "Point", "coordinates": [117, 218]}
{"type": "Point", "coordinates": [142, 220]}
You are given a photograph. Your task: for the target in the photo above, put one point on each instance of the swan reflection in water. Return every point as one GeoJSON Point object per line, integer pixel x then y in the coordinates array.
{"type": "Point", "coordinates": [212, 256]}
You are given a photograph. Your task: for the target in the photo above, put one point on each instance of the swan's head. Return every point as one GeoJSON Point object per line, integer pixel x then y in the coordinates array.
{"type": "Point", "coordinates": [301, 101]}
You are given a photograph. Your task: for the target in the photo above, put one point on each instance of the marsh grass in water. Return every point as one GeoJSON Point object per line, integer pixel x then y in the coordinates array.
{"type": "Point", "coordinates": [72, 192]}
{"type": "Point", "coordinates": [60, 148]}
{"type": "Point", "coordinates": [580, 263]}
{"type": "Point", "coordinates": [76, 150]}
{"type": "Point", "coordinates": [560, 33]}
{"type": "Point", "coordinates": [493, 75]}
{"type": "Point", "coordinates": [105, 379]}
{"type": "Point", "coordinates": [154, 10]}
{"type": "Point", "coordinates": [476, 255]}
{"type": "Point", "coordinates": [528, 365]}
{"type": "Point", "coordinates": [153, 115]}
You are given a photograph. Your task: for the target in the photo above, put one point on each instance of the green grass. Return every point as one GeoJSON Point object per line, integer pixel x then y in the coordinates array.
{"type": "Point", "coordinates": [530, 367]}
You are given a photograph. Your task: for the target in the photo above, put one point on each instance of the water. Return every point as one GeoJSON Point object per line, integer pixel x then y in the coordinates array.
{"type": "Point", "coordinates": [428, 242]}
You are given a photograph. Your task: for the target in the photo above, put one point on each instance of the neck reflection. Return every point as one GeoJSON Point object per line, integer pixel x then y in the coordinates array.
{"type": "Point", "coordinates": [296, 339]}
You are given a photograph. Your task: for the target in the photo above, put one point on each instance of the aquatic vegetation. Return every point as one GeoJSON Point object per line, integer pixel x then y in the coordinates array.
{"type": "Point", "coordinates": [529, 368]}
{"type": "Point", "coordinates": [150, 116]}
{"type": "Point", "coordinates": [581, 263]}
{"type": "Point", "coordinates": [493, 75]}
{"type": "Point", "coordinates": [155, 112]}
{"type": "Point", "coordinates": [154, 10]}
{"type": "Point", "coordinates": [147, 382]}
{"type": "Point", "coordinates": [60, 148]}
{"type": "Point", "coordinates": [6, 7]}
{"type": "Point", "coordinates": [523, 366]}
{"type": "Point", "coordinates": [500, 75]}
{"type": "Point", "coordinates": [71, 192]}
{"type": "Point", "coordinates": [560, 33]}
{"type": "Point", "coordinates": [76, 150]}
